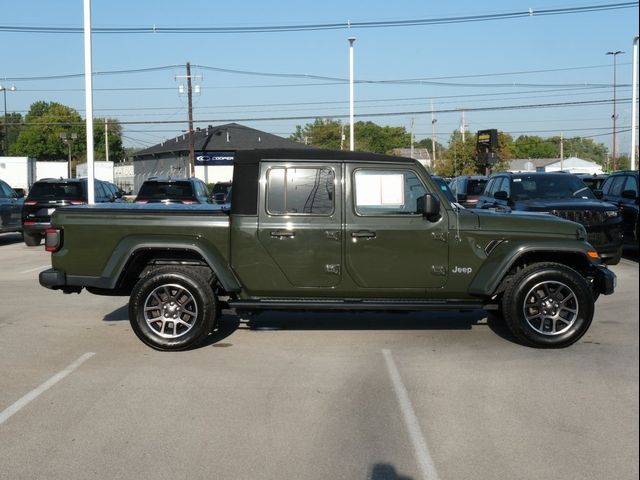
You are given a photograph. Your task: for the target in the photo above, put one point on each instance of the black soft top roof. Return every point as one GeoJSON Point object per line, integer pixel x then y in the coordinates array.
{"type": "Point", "coordinates": [246, 169]}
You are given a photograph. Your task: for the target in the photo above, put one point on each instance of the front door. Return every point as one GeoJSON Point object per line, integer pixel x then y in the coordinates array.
{"type": "Point", "coordinates": [300, 224]}
{"type": "Point", "coordinates": [389, 245]}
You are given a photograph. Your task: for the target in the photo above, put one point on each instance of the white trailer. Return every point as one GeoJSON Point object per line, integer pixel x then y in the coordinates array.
{"type": "Point", "coordinates": [101, 170]}
{"type": "Point", "coordinates": [52, 169]}
{"type": "Point", "coordinates": [18, 172]}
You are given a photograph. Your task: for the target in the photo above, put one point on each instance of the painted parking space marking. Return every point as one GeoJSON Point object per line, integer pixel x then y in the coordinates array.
{"type": "Point", "coordinates": [420, 449]}
{"type": "Point", "coordinates": [36, 392]}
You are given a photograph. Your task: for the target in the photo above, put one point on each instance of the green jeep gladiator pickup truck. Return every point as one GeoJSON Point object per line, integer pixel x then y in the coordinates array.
{"type": "Point", "coordinates": [328, 230]}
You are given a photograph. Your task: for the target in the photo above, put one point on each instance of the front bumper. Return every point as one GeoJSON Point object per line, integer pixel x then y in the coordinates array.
{"type": "Point", "coordinates": [605, 281]}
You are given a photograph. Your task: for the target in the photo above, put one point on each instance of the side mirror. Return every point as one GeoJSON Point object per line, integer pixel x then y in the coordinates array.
{"type": "Point", "coordinates": [598, 194]}
{"type": "Point", "coordinates": [630, 194]}
{"type": "Point", "coordinates": [501, 195]}
{"type": "Point", "coordinates": [429, 206]}
{"type": "Point", "coordinates": [461, 197]}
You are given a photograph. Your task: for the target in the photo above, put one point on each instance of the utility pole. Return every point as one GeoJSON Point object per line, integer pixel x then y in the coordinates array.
{"type": "Point", "coordinates": [106, 140]}
{"type": "Point", "coordinates": [192, 153]}
{"type": "Point", "coordinates": [615, 54]}
{"type": "Point", "coordinates": [561, 150]}
{"type": "Point", "coordinates": [412, 123]}
{"type": "Point", "coordinates": [433, 136]}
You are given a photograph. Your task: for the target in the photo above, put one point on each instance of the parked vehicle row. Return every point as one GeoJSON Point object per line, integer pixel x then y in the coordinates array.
{"type": "Point", "coordinates": [10, 208]}
{"type": "Point", "coordinates": [606, 205]}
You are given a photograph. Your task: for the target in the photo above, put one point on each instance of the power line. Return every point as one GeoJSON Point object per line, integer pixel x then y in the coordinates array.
{"type": "Point", "coordinates": [362, 115]}
{"type": "Point", "coordinates": [349, 25]}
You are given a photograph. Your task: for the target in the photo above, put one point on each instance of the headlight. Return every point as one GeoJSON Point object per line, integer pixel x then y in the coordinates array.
{"type": "Point", "coordinates": [611, 213]}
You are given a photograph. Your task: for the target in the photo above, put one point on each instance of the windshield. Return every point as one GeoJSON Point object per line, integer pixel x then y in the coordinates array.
{"type": "Point", "coordinates": [476, 186]}
{"type": "Point", "coordinates": [549, 187]}
{"type": "Point", "coordinates": [174, 190]}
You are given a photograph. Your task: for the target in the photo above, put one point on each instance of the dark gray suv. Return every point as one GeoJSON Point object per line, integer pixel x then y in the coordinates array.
{"type": "Point", "coordinates": [10, 208]}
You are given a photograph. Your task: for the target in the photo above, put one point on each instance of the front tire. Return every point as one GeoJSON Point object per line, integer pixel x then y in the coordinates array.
{"type": "Point", "coordinates": [172, 308]}
{"type": "Point", "coordinates": [548, 305]}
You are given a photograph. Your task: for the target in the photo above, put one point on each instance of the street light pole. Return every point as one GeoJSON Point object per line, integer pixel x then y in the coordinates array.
{"type": "Point", "coordinates": [634, 101]}
{"type": "Point", "coordinates": [6, 130]}
{"type": "Point", "coordinates": [351, 129]}
{"type": "Point", "coordinates": [615, 54]}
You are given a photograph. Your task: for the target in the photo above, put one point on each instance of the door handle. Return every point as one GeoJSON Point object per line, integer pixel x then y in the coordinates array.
{"type": "Point", "coordinates": [283, 234]}
{"type": "Point", "coordinates": [364, 234]}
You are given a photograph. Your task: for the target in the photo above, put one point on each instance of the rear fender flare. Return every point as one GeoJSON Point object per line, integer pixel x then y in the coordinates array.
{"type": "Point", "coordinates": [131, 246]}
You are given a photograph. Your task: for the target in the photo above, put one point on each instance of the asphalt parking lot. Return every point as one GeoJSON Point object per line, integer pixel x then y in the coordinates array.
{"type": "Point", "coordinates": [309, 396]}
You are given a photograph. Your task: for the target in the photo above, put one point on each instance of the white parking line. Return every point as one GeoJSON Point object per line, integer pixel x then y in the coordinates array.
{"type": "Point", "coordinates": [420, 450]}
{"type": "Point", "coordinates": [35, 393]}
{"type": "Point", "coordinates": [42, 267]}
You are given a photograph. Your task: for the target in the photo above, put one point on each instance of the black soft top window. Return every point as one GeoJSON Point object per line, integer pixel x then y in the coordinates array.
{"type": "Point", "coordinates": [166, 190]}
{"type": "Point", "coordinates": [56, 190]}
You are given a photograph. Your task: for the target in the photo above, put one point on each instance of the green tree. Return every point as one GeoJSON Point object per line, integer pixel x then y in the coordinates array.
{"type": "Point", "coordinates": [461, 158]}
{"type": "Point", "coordinates": [322, 133]}
{"type": "Point", "coordinates": [42, 139]}
{"type": "Point", "coordinates": [584, 148]}
{"type": "Point", "coordinates": [526, 146]}
{"type": "Point", "coordinates": [46, 121]}
{"type": "Point", "coordinates": [13, 122]}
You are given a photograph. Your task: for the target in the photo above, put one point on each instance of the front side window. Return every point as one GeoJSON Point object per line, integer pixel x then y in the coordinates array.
{"type": "Point", "coordinates": [300, 191]}
{"type": "Point", "coordinates": [387, 192]}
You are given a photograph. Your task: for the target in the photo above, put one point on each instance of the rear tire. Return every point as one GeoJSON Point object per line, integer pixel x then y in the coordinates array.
{"type": "Point", "coordinates": [172, 308]}
{"type": "Point", "coordinates": [32, 240]}
{"type": "Point", "coordinates": [548, 305]}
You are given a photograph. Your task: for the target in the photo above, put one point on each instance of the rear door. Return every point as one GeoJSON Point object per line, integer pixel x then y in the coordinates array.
{"type": "Point", "coordinates": [300, 221]}
{"type": "Point", "coordinates": [10, 207]}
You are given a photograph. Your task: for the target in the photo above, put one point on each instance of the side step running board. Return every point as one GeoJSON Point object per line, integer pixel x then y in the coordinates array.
{"type": "Point", "coordinates": [353, 304]}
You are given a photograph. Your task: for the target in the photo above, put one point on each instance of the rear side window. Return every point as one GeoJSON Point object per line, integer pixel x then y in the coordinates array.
{"type": "Point", "coordinates": [56, 190]}
{"type": "Point", "coordinates": [302, 191]}
{"type": "Point", "coordinates": [166, 190]}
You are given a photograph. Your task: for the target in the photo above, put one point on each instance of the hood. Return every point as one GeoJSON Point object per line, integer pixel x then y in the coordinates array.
{"type": "Point", "coordinates": [540, 205]}
{"type": "Point", "coordinates": [537, 223]}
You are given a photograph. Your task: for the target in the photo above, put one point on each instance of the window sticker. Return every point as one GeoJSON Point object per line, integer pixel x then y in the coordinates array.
{"type": "Point", "coordinates": [379, 190]}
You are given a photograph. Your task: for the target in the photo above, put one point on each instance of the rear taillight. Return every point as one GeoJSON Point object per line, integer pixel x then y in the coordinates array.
{"type": "Point", "coordinates": [52, 239]}
{"type": "Point", "coordinates": [140, 201]}
{"type": "Point", "coordinates": [77, 202]}
{"type": "Point", "coordinates": [30, 202]}
{"type": "Point", "coordinates": [29, 222]}
{"type": "Point", "coordinates": [188, 202]}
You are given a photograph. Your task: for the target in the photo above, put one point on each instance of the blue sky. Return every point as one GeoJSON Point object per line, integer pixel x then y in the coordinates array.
{"type": "Point", "coordinates": [499, 63]}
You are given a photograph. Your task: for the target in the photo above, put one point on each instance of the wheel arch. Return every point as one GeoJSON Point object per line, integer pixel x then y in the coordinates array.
{"type": "Point", "coordinates": [489, 279]}
{"type": "Point", "coordinates": [124, 270]}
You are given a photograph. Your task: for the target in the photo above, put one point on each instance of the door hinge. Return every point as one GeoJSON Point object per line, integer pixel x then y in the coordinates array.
{"type": "Point", "coordinates": [332, 234]}
{"type": "Point", "coordinates": [439, 270]}
{"type": "Point", "coordinates": [441, 236]}
{"type": "Point", "coordinates": [333, 268]}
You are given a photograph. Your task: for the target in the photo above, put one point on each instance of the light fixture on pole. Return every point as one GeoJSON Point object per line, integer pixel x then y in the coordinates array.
{"type": "Point", "coordinates": [351, 129]}
{"type": "Point", "coordinates": [6, 120]}
{"type": "Point", "coordinates": [615, 54]}
{"type": "Point", "coordinates": [69, 139]}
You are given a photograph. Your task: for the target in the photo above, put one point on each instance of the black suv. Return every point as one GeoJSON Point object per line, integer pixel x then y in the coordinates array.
{"type": "Point", "coordinates": [594, 182]}
{"type": "Point", "coordinates": [50, 193]}
{"type": "Point", "coordinates": [173, 190]}
{"type": "Point", "coordinates": [563, 195]}
{"type": "Point", "coordinates": [10, 208]}
{"type": "Point", "coordinates": [621, 189]}
{"type": "Point", "coordinates": [220, 191]}
{"type": "Point", "coordinates": [467, 189]}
